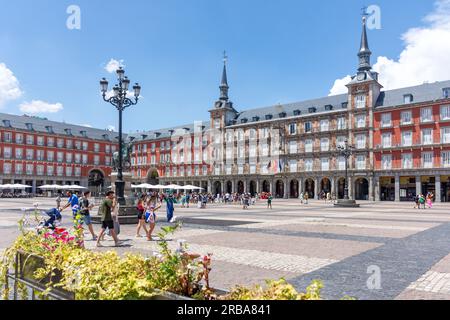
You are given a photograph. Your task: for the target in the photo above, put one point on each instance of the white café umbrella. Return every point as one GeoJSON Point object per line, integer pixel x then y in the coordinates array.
{"type": "Point", "coordinates": [190, 187]}
{"type": "Point", "coordinates": [20, 186]}
{"type": "Point", "coordinates": [173, 186]}
{"type": "Point", "coordinates": [45, 187]}
{"type": "Point", "coordinates": [6, 186]}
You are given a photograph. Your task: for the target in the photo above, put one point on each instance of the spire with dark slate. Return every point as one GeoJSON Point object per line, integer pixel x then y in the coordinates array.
{"type": "Point", "coordinates": [224, 83]}
{"type": "Point", "coordinates": [364, 51]}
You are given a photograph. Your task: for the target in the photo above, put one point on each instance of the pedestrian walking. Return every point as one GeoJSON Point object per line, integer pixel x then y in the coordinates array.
{"type": "Point", "coordinates": [150, 218]}
{"type": "Point", "coordinates": [269, 201]}
{"type": "Point", "coordinates": [85, 211]}
{"type": "Point", "coordinates": [306, 198]}
{"type": "Point", "coordinates": [106, 208]}
{"type": "Point", "coordinates": [170, 201]}
{"type": "Point", "coordinates": [141, 218]}
{"type": "Point", "coordinates": [73, 202]}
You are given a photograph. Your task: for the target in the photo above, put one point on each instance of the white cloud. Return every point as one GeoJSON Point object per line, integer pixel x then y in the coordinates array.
{"type": "Point", "coordinates": [86, 125]}
{"type": "Point", "coordinates": [9, 85]}
{"type": "Point", "coordinates": [424, 59]}
{"type": "Point", "coordinates": [111, 128]}
{"type": "Point", "coordinates": [113, 65]}
{"type": "Point", "coordinates": [37, 106]}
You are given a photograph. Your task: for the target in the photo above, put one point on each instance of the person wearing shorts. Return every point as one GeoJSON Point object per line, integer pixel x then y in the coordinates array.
{"type": "Point", "coordinates": [105, 210]}
{"type": "Point", "coordinates": [85, 212]}
{"type": "Point", "coordinates": [141, 218]}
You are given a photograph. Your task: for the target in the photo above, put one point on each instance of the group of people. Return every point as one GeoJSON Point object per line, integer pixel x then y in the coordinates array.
{"type": "Point", "coordinates": [421, 201]}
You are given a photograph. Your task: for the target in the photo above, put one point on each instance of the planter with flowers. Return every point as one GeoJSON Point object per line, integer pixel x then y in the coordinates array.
{"type": "Point", "coordinates": [57, 262]}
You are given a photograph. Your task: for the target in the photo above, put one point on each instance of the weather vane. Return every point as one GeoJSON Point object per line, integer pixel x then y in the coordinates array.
{"type": "Point", "coordinates": [225, 57]}
{"type": "Point", "coordinates": [364, 12]}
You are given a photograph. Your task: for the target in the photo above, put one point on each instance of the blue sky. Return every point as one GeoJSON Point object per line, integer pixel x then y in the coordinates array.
{"type": "Point", "coordinates": [279, 52]}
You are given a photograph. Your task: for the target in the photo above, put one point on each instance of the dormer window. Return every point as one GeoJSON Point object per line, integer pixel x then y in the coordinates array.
{"type": "Point", "coordinates": [157, 134]}
{"type": "Point", "coordinates": [297, 112]}
{"type": "Point", "coordinates": [446, 93]}
{"type": "Point", "coordinates": [144, 136]}
{"type": "Point", "coordinates": [244, 120]}
{"type": "Point", "coordinates": [83, 133]}
{"type": "Point", "coordinates": [328, 107]}
{"type": "Point", "coordinates": [7, 123]}
{"type": "Point", "coordinates": [312, 110]}
{"type": "Point", "coordinates": [29, 126]}
{"type": "Point", "coordinates": [344, 105]}
{"type": "Point", "coordinates": [282, 115]}
{"type": "Point", "coordinates": [269, 117]}
{"type": "Point", "coordinates": [105, 137]}
{"type": "Point", "coordinates": [49, 129]}
{"type": "Point", "coordinates": [255, 119]}
{"type": "Point", "coordinates": [408, 98]}
{"type": "Point", "coordinates": [171, 132]}
{"type": "Point", "coordinates": [68, 132]}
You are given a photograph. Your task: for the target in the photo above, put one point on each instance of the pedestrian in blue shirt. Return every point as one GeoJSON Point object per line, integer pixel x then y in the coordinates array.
{"type": "Point", "coordinates": [72, 202]}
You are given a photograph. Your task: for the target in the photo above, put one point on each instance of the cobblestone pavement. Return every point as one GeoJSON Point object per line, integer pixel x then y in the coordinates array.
{"type": "Point", "coordinates": [378, 251]}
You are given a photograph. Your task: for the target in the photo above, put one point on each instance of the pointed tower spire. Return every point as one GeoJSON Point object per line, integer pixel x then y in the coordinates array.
{"type": "Point", "coordinates": [224, 83]}
{"type": "Point", "coordinates": [364, 51]}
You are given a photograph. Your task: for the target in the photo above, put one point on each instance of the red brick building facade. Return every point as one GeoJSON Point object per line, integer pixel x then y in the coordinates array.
{"type": "Point", "coordinates": [37, 152]}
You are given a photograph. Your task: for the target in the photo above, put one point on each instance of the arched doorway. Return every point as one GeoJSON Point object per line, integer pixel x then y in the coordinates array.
{"type": "Point", "coordinates": [309, 188]}
{"type": "Point", "coordinates": [240, 187]}
{"type": "Point", "coordinates": [266, 186]}
{"type": "Point", "coordinates": [153, 176]}
{"type": "Point", "coordinates": [341, 188]}
{"type": "Point", "coordinates": [279, 193]}
{"type": "Point", "coordinates": [217, 188]}
{"type": "Point", "coordinates": [361, 189]}
{"type": "Point", "coordinates": [294, 189]}
{"type": "Point", "coordinates": [325, 185]}
{"type": "Point", "coordinates": [229, 187]}
{"type": "Point", "coordinates": [253, 188]}
{"type": "Point", "coordinates": [96, 181]}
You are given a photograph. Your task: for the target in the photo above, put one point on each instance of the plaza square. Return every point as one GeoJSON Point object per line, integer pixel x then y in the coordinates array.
{"type": "Point", "coordinates": [302, 242]}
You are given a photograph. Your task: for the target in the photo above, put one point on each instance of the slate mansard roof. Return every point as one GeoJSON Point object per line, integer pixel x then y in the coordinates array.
{"type": "Point", "coordinates": [426, 92]}
{"type": "Point", "coordinates": [39, 125]}
{"type": "Point", "coordinates": [167, 133]}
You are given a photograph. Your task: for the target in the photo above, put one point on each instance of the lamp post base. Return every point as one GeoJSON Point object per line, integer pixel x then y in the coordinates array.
{"type": "Point", "coordinates": [347, 204]}
{"type": "Point", "coordinates": [120, 191]}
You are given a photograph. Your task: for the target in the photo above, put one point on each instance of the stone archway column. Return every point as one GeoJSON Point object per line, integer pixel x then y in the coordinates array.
{"type": "Point", "coordinates": [371, 194]}
{"type": "Point", "coordinates": [418, 185]}
{"type": "Point", "coordinates": [272, 187]}
{"type": "Point", "coordinates": [300, 186]}
{"type": "Point", "coordinates": [246, 186]}
{"type": "Point", "coordinates": [287, 188]}
{"type": "Point", "coordinates": [210, 183]}
{"type": "Point", "coordinates": [397, 188]}
{"type": "Point", "coordinates": [438, 189]}
{"type": "Point", "coordinates": [377, 189]}
{"type": "Point", "coordinates": [316, 188]}
{"type": "Point", "coordinates": [351, 194]}
{"type": "Point", "coordinates": [333, 186]}
{"type": "Point", "coordinates": [257, 186]}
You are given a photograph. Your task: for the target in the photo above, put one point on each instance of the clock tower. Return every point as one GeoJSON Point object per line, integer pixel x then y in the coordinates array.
{"type": "Point", "coordinates": [223, 112]}
{"type": "Point", "coordinates": [363, 93]}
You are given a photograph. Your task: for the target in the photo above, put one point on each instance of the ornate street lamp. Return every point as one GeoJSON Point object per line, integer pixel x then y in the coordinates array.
{"type": "Point", "coordinates": [346, 151]}
{"type": "Point", "coordinates": [120, 100]}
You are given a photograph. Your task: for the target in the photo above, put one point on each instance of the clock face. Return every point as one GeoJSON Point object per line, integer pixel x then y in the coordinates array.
{"type": "Point", "coordinates": [361, 76]}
